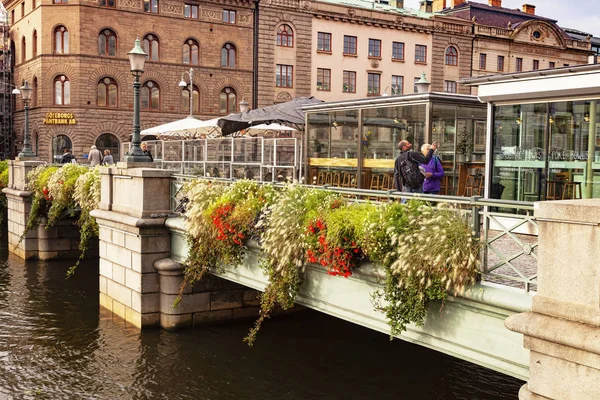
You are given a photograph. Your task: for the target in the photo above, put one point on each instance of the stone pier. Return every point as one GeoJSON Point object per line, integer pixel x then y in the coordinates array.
{"type": "Point", "coordinates": [138, 281]}
{"type": "Point", "coordinates": [562, 331]}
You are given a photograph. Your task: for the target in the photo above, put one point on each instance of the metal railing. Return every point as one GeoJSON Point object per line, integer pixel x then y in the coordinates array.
{"type": "Point", "coordinates": [507, 230]}
{"type": "Point", "coordinates": [265, 159]}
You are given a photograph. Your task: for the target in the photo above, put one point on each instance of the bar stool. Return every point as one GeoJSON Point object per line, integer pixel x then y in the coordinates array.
{"type": "Point", "coordinates": [387, 182]}
{"type": "Point", "coordinates": [444, 185]}
{"type": "Point", "coordinates": [336, 180]}
{"type": "Point", "coordinates": [321, 179]}
{"type": "Point", "coordinates": [473, 186]}
{"type": "Point", "coordinates": [374, 182]}
{"type": "Point", "coordinates": [328, 178]}
{"type": "Point", "coordinates": [571, 191]}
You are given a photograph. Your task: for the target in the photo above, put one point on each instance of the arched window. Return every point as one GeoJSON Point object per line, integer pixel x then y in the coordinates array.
{"type": "Point", "coordinates": [34, 94]}
{"type": "Point", "coordinates": [107, 43]}
{"type": "Point", "coordinates": [62, 90]}
{"type": "Point", "coordinates": [285, 36]}
{"type": "Point", "coordinates": [190, 52]}
{"type": "Point", "coordinates": [34, 44]}
{"type": "Point", "coordinates": [61, 40]}
{"type": "Point", "coordinates": [108, 141]}
{"type": "Point", "coordinates": [228, 56]}
{"type": "Point", "coordinates": [59, 144]}
{"type": "Point", "coordinates": [23, 49]}
{"type": "Point", "coordinates": [13, 54]}
{"type": "Point", "coordinates": [185, 99]}
{"type": "Point", "coordinates": [150, 95]}
{"type": "Point", "coordinates": [228, 101]}
{"type": "Point", "coordinates": [151, 47]}
{"type": "Point", "coordinates": [107, 93]}
{"type": "Point", "coordinates": [451, 56]}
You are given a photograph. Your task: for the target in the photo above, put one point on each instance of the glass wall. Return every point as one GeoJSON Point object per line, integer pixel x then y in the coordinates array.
{"type": "Point", "coordinates": [544, 151]}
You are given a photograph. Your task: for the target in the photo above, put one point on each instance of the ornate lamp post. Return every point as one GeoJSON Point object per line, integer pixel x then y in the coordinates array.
{"type": "Point", "coordinates": [423, 84]}
{"type": "Point", "coordinates": [137, 58]}
{"type": "Point", "coordinates": [26, 91]}
{"type": "Point", "coordinates": [244, 106]}
{"type": "Point", "coordinates": [183, 84]}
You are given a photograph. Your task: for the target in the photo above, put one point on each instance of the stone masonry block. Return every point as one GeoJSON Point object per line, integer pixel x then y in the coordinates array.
{"type": "Point", "coordinates": [47, 233]}
{"type": "Point", "coordinates": [68, 232]}
{"type": "Point", "coordinates": [210, 283]}
{"type": "Point", "coordinates": [225, 299]}
{"type": "Point", "coordinates": [118, 292]}
{"type": "Point", "coordinates": [103, 284]}
{"type": "Point", "coordinates": [245, 313]}
{"type": "Point", "coordinates": [105, 234]}
{"type": "Point", "coordinates": [54, 244]}
{"type": "Point", "coordinates": [102, 250]}
{"type": "Point", "coordinates": [212, 317]}
{"type": "Point", "coordinates": [171, 284]}
{"type": "Point", "coordinates": [106, 302]}
{"type": "Point", "coordinates": [118, 255]}
{"type": "Point", "coordinates": [150, 282]}
{"type": "Point", "coordinates": [118, 238]}
{"type": "Point", "coordinates": [118, 274]}
{"type": "Point", "coordinates": [251, 298]}
{"type": "Point", "coordinates": [48, 255]}
{"type": "Point", "coordinates": [118, 309]}
{"type": "Point", "coordinates": [190, 303]}
{"type": "Point", "coordinates": [144, 263]}
{"type": "Point", "coordinates": [133, 280]}
{"type": "Point", "coordinates": [176, 321]}
{"type": "Point", "coordinates": [145, 303]}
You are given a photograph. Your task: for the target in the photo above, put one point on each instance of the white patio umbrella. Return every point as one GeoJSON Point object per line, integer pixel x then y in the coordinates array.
{"type": "Point", "coordinates": [209, 128]}
{"type": "Point", "coordinates": [266, 128]}
{"type": "Point", "coordinates": [186, 128]}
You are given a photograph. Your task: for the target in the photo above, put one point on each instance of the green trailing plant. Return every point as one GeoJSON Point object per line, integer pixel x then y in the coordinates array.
{"type": "Point", "coordinates": [61, 188]}
{"type": "Point", "coordinates": [3, 184]}
{"type": "Point", "coordinates": [41, 200]}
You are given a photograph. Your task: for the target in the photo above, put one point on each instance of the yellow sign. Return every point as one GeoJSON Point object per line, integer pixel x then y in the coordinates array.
{"type": "Point", "coordinates": [59, 119]}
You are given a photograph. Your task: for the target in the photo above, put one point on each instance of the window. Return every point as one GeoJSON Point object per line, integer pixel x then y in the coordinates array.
{"type": "Point", "coordinates": [450, 86]}
{"type": "Point", "coordinates": [33, 4]}
{"type": "Point", "coordinates": [190, 52]}
{"type": "Point", "coordinates": [566, 65]}
{"type": "Point", "coordinates": [324, 41]}
{"type": "Point", "coordinates": [62, 91]}
{"type": "Point", "coordinates": [323, 79]}
{"type": "Point", "coordinates": [349, 85]}
{"type": "Point", "coordinates": [350, 45]}
{"type": "Point", "coordinates": [59, 144]}
{"type": "Point", "coordinates": [60, 1]}
{"type": "Point", "coordinates": [482, 61]}
{"type": "Point", "coordinates": [228, 101]}
{"type": "Point", "coordinates": [185, 99]}
{"type": "Point", "coordinates": [23, 49]}
{"type": "Point", "coordinates": [551, 64]}
{"type": "Point", "coordinates": [500, 63]}
{"type": "Point", "coordinates": [375, 48]}
{"type": "Point", "coordinates": [107, 43]}
{"type": "Point", "coordinates": [12, 17]}
{"type": "Point", "coordinates": [228, 56]}
{"type": "Point", "coordinates": [107, 3]}
{"type": "Point", "coordinates": [451, 56]}
{"type": "Point", "coordinates": [420, 54]}
{"type": "Point", "coordinates": [285, 36]}
{"type": "Point", "coordinates": [61, 40]}
{"type": "Point", "coordinates": [284, 75]}
{"type": "Point", "coordinates": [536, 65]}
{"type": "Point", "coordinates": [34, 101]}
{"type": "Point", "coordinates": [150, 96]}
{"type": "Point", "coordinates": [519, 65]}
{"type": "Point", "coordinates": [397, 51]}
{"type": "Point", "coordinates": [190, 11]}
{"type": "Point", "coordinates": [34, 44]}
{"type": "Point", "coordinates": [107, 93]}
{"type": "Point", "coordinates": [397, 84]}
{"type": "Point", "coordinates": [151, 6]}
{"type": "Point", "coordinates": [373, 84]}
{"type": "Point", "coordinates": [22, 9]}
{"type": "Point", "coordinates": [229, 16]}
{"type": "Point", "coordinates": [108, 141]}
{"type": "Point", "coordinates": [150, 45]}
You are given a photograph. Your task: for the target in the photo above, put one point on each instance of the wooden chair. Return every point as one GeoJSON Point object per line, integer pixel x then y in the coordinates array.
{"type": "Point", "coordinates": [554, 190]}
{"type": "Point", "coordinates": [474, 186]}
{"type": "Point", "coordinates": [571, 191]}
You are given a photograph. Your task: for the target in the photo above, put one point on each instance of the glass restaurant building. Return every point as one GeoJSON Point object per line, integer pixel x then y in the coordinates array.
{"type": "Point", "coordinates": [353, 143]}
{"type": "Point", "coordinates": [545, 141]}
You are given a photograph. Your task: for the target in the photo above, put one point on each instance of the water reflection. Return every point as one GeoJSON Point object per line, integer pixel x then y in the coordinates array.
{"type": "Point", "coordinates": [54, 343]}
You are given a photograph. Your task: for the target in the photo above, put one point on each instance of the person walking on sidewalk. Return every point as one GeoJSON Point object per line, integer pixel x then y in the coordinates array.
{"type": "Point", "coordinates": [408, 177]}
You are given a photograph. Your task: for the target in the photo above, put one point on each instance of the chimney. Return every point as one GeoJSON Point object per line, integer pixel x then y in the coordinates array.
{"type": "Point", "coordinates": [399, 3]}
{"type": "Point", "coordinates": [529, 9]}
{"type": "Point", "coordinates": [426, 5]}
{"type": "Point", "coordinates": [495, 3]}
{"type": "Point", "coordinates": [438, 5]}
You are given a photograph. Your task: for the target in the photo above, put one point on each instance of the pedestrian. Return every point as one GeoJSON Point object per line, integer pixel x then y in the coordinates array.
{"type": "Point", "coordinates": [146, 151]}
{"type": "Point", "coordinates": [408, 177]}
{"type": "Point", "coordinates": [108, 158]}
{"type": "Point", "coordinates": [434, 172]}
{"type": "Point", "coordinates": [95, 156]}
{"type": "Point", "coordinates": [68, 157]}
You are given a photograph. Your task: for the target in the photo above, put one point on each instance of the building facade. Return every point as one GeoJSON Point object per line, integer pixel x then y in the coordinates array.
{"type": "Point", "coordinates": [74, 55]}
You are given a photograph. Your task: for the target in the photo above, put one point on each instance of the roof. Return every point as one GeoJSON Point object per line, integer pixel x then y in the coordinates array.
{"type": "Point", "coordinates": [497, 78]}
{"type": "Point", "coordinates": [371, 5]}
{"type": "Point", "coordinates": [583, 36]}
{"type": "Point", "coordinates": [499, 17]}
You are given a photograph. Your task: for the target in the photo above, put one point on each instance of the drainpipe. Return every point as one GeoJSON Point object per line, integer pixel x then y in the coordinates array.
{"type": "Point", "coordinates": [255, 57]}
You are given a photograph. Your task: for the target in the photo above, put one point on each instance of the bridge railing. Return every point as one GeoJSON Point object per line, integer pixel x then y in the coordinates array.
{"type": "Point", "coordinates": [507, 230]}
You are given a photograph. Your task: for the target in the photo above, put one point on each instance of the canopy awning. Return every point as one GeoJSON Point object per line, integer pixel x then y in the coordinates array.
{"type": "Point", "coordinates": [287, 113]}
{"type": "Point", "coordinates": [273, 127]}
{"type": "Point", "coordinates": [181, 128]}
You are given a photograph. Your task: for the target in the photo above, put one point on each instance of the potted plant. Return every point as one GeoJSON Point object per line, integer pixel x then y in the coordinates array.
{"type": "Point", "coordinates": [464, 146]}
{"type": "Point", "coordinates": [317, 147]}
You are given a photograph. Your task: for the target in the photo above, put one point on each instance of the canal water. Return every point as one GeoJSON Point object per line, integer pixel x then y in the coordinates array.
{"type": "Point", "coordinates": [55, 344]}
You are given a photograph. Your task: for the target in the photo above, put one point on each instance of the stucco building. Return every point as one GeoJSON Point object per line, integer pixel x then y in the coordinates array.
{"type": "Point", "coordinates": [74, 55]}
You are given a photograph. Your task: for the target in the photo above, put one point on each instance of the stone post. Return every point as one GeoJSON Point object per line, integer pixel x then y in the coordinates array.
{"type": "Point", "coordinates": [563, 329]}
{"type": "Point", "coordinates": [134, 205]}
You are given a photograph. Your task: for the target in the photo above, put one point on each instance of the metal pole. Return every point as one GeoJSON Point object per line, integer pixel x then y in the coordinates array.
{"type": "Point", "coordinates": [191, 74]}
{"type": "Point", "coordinates": [27, 152]}
{"type": "Point", "coordinates": [136, 154]}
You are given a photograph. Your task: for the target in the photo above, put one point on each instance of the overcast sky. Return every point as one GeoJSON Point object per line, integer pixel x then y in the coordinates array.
{"type": "Point", "coordinates": [583, 15]}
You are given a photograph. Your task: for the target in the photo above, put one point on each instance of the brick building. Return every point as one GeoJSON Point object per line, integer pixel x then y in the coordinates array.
{"type": "Point", "coordinates": [74, 54]}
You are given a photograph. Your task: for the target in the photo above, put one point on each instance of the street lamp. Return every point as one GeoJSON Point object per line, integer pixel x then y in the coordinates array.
{"type": "Point", "coordinates": [26, 92]}
{"type": "Point", "coordinates": [137, 58]}
{"type": "Point", "coordinates": [182, 84]}
{"type": "Point", "coordinates": [423, 84]}
{"type": "Point", "coordinates": [244, 106]}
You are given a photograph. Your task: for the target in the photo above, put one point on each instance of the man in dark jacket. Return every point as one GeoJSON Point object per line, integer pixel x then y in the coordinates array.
{"type": "Point", "coordinates": [68, 157]}
{"type": "Point", "coordinates": [415, 159]}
